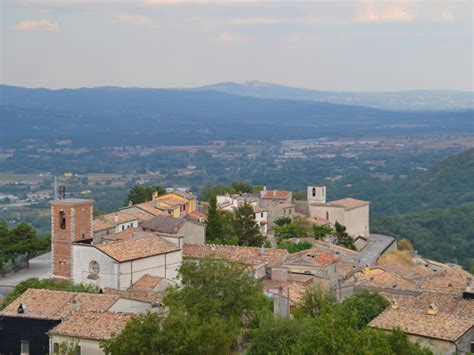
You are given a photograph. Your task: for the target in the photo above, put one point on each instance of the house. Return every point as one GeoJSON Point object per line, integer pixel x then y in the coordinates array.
{"type": "Point", "coordinates": [116, 261]}
{"type": "Point", "coordinates": [277, 203]}
{"type": "Point", "coordinates": [111, 223]}
{"type": "Point", "coordinates": [178, 204]}
{"type": "Point", "coordinates": [443, 333]}
{"type": "Point", "coordinates": [191, 231]}
{"type": "Point", "coordinates": [316, 262]}
{"type": "Point", "coordinates": [259, 260]}
{"type": "Point", "coordinates": [119, 264]}
{"type": "Point", "coordinates": [350, 212]}
{"type": "Point", "coordinates": [24, 323]}
{"type": "Point", "coordinates": [227, 203]}
{"type": "Point", "coordinates": [85, 330]}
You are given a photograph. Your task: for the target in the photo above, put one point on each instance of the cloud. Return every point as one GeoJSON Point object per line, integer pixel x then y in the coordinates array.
{"type": "Point", "coordinates": [135, 20]}
{"type": "Point", "coordinates": [386, 11]}
{"type": "Point", "coordinates": [257, 21]}
{"type": "Point", "coordinates": [224, 37]}
{"type": "Point", "coordinates": [36, 25]}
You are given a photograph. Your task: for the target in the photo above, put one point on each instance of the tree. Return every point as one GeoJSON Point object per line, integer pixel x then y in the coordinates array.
{"type": "Point", "coordinates": [242, 186]}
{"type": "Point", "coordinates": [343, 238]}
{"type": "Point", "coordinates": [142, 193]}
{"type": "Point", "coordinates": [274, 336]}
{"type": "Point", "coordinates": [405, 244]}
{"type": "Point", "coordinates": [316, 300]}
{"type": "Point", "coordinates": [281, 221]}
{"type": "Point", "coordinates": [214, 222]}
{"type": "Point", "coordinates": [245, 226]}
{"type": "Point", "coordinates": [206, 313]}
{"type": "Point", "coordinates": [319, 232]}
{"type": "Point", "coordinates": [365, 305]}
{"type": "Point", "coordinates": [26, 242]}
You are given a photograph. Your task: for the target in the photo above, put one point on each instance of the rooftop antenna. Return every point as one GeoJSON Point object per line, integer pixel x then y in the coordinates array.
{"type": "Point", "coordinates": [55, 187]}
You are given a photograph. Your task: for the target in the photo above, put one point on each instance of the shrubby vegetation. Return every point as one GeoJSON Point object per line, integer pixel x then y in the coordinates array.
{"type": "Point", "coordinates": [19, 241]}
{"type": "Point", "coordinates": [142, 193]}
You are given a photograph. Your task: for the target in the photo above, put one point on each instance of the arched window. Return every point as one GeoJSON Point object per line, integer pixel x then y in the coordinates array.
{"type": "Point", "coordinates": [327, 216]}
{"type": "Point", "coordinates": [62, 219]}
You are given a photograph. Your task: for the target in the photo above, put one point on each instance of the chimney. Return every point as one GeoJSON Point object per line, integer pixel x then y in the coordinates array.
{"type": "Point", "coordinates": [154, 196]}
{"type": "Point", "coordinates": [21, 308]}
{"type": "Point", "coordinates": [395, 305]}
{"type": "Point", "coordinates": [74, 305]}
{"type": "Point", "coordinates": [274, 192]}
{"type": "Point", "coordinates": [264, 188]}
{"type": "Point", "coordinates": [469, 293]}
{"type": "Point", "coordinates": [130, 203]}
{"type": "Point", "coordinates": [263, 250]}
{"type": "Point", "coordinates": [116, 219]}
{"type": "Point", "coordinates": [432, 309]}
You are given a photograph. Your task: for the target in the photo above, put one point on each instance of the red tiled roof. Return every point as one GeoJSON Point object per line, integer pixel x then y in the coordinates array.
{"type": "Point", "coordinates": [137, 248]}
{"type": "Point", "coordinates": [92, 325]}
{"type": "Point", "coordinates": [246, 255]}
{"type": "Point", "coordinates": [276, 194]}
{"type": "Point", "coordinates": [314, 255]}
{"type": "Point", "coordinates": [52, 304]}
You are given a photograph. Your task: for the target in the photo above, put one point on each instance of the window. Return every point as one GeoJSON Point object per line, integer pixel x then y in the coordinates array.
{"type": "Point", "coordinates": [83, 236]}
{"type": "Point", "coordinates": [94, 267]}
{"type": "Point", "coordinates": [472, 347]}
{"type": "Point", "coordinates": [25, 347]}
{"type": "Point", "coordinates": [314, 192]}
{"type": "Point", "coordinates": [261, 214]}
{"type": "Point", "coordinates": [78, 350]}
{"type": "Point", "coordinates": [56, 348]}
{"type": "Point", "coordinates": [62, 219]}
{"type": "Point", "coordinates": [327, 216]}
{"type": "Point", "coordinates": [184, 207]}
{"type": "Point", "coordinates": [123, 228]}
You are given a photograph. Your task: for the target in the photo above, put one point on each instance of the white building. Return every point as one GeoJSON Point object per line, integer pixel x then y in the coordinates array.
{"type": "Point", "coordinates": [120, 264]}
{"type": "Point", "coordinates": [229, 203]}
{"type": "Point", "coordinates": [350, 212]}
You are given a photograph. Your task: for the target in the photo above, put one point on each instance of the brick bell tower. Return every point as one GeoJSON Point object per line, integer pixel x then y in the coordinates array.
{"type": "Point", "coordinates": [71, 221]}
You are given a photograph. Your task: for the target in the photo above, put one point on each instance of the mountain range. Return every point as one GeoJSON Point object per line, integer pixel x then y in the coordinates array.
{"type": "Point", "coordinates": [395, 100]}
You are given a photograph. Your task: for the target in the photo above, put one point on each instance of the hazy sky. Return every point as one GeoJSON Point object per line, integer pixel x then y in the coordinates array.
{"type": "Point", "coordinates": [355, 45]}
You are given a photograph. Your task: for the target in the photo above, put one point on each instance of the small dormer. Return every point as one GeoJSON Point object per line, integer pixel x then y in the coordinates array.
{"type": "Point", "coordinates": [432, 309]}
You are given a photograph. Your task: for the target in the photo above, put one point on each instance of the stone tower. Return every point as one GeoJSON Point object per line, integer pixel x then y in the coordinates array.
{"type": "Point", "coordinates": [316, 194]}
{"type": "Point", "coordinates": [71, 221]}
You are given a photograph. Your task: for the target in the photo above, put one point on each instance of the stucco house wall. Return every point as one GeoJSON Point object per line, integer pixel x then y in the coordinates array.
{"type": "Point", "coordinates": [356, 221]}
{"type": "Point", "coordinates": [193, 233]}
{"type": "Point", "coordinates": [108, 273]}
{"type": "Point", "coordinates": [88, 346]}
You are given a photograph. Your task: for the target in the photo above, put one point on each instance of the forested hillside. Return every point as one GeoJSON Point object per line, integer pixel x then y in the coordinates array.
{"type": "Point", "coordinates": [443, 227]}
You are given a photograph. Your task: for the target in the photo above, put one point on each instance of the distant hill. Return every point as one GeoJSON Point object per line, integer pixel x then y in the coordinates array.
{"type": "Point", "coordinates": [443, 228]}
{"type": "Point", "coordinates": [397, 100]}
{"type": "Point", "coordinates": [117, 116]}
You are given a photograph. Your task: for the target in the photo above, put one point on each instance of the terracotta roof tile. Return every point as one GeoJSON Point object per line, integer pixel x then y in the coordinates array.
{"type": "Point", "coordinates": [245, 255]}
{"type": "Point", "coordinates": [315, 256]}
{"type": "Point", "coordinates": [149, 207]}
{"type": "Point", "coordinates": [139, 295]}
{"type": "Point", "coordinates": [439, 326]}
{"type": "Point", "coordinates": [136, 248]}
{"type": "Point", "coordinates": [51, 304]}
{"type": "Point", "coordinates": [348, 203]}
{"type": "Point", "coordinates": [276, 194]}
{"type": "Point", "coordinates": [92, 325]}
{"type": "Point", "coordinates": [318, 221]}
{"type": "Point", "coordinates": [110, 220]}
{"type": "Point", "coordinates": [146, 283]}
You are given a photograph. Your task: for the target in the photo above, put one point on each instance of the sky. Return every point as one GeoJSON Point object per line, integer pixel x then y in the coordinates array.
{"type": "Point", "coordinates": [357, 45]}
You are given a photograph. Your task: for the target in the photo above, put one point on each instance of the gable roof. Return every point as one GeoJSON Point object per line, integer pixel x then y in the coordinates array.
{"type": "Point", "coordinates": [146, 283]}
{"type": "Point", "coordinates": [138, 248]}
{"type": "Point", "coordinates": [164, 224]}
{"type": "Point", "coordinates": [312, 256]}
{"type": "Point", "coordinates": [245, 255]}
{"type": "Point", "coordinates": [439, 326]}
{"type": "Point", "coordinates": [348, 203]}
{"type": "Point", "coordinates": [276, 194]}
{"type": "Point", "coordinates": [92, 325]}
{"type": "Point", "coordinates": [111, 220]}
{"type": "Point", "coordinates": [52, 304]}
